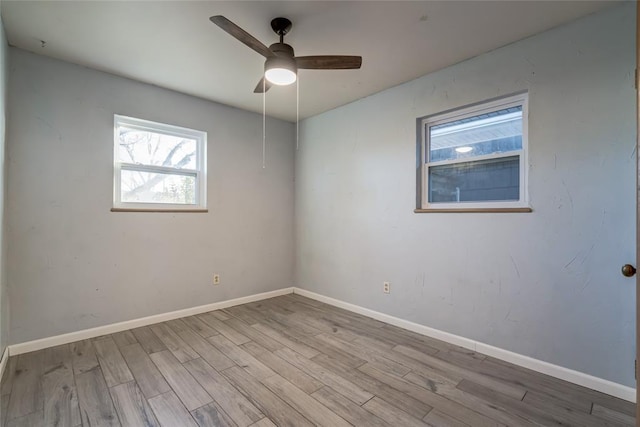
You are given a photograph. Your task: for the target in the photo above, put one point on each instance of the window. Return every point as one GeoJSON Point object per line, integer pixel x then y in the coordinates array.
{"type": "Point", "coordinates": [474, 158]}
{"type": "Point", "coordinates": [158, 166]}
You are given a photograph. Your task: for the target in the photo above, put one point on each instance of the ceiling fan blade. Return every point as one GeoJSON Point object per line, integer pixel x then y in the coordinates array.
{"type": "Point", "coordinates": [329, 62]}
{"type": "Point", "coordinates": [241, 35]}
{"type": "Point", "coordinates": [260, 88]}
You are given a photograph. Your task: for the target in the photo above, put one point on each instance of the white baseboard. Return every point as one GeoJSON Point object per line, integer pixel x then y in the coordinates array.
{"type": "Point", "coordinates": [575, 377]}
{"type": "Point", "coordinates": [579, 378]}
{"type": "Point", "coordinates": [29, 346]}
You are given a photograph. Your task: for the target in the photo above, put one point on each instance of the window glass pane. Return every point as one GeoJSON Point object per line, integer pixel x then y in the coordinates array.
{"type": "Point", "coordinates": [475, 181]}
{"type": "Point", "coordinates": [495, 132]}
{"type": "Point", "coordinates": [147, 187]}
{"type": "Point", "coordinates": [157, 149]}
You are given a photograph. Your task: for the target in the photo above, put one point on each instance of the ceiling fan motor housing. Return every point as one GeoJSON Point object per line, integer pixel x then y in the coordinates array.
{"type": "Point", "coordinates": [284, 58]}
{"type": "Point", "coordinates": [282, 49]}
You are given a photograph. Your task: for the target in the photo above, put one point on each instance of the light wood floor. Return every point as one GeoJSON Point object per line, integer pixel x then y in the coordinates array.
{"type": "Point", "coordinates": [287, 361]}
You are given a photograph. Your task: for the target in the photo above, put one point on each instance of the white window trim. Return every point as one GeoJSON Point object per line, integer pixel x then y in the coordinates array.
{"type": "Point", "coordinates": [474, 110]}
{"type": "Point", "coordinates": [200, 173]}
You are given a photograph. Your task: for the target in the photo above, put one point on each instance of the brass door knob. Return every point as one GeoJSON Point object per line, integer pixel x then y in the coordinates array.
{"type": "Point", "coordinates": [628, 270]}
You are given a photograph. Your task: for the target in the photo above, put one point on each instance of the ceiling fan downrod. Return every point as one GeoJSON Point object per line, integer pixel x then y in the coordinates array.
{"type": "Point", "coordinates": [281, 26]}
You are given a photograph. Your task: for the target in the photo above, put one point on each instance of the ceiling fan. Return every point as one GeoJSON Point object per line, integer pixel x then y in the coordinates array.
{"type": "Point", "coordinates": [281, 67]}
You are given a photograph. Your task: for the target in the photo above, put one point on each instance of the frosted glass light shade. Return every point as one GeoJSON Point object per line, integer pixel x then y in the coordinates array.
{"type": "Point", "coordinates": [280, 76]}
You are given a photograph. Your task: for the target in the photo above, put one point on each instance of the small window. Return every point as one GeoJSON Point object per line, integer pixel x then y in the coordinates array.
{"type": "Point", "coordinates": [158, 166]}
{"type": "Point", "coordinates": [475, 157]}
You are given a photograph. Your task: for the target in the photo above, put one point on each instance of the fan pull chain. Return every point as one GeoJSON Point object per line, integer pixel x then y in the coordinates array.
{"type": "Point", "coordinates": [297, 112]}
{"type": "Point", "coordinates": [264, 123]}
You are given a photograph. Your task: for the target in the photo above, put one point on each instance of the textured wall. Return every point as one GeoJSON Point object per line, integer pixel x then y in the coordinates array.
{"type": "Point", "coordinates": [545, 284]}
{"type": "Point", "coordinates": [73, 264]}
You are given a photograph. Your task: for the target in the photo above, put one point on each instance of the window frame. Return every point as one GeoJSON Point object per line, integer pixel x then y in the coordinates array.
{"type": "Point", "coordinates": [426, 122]}
{"type": "Point", "coordinates": [200, 173]}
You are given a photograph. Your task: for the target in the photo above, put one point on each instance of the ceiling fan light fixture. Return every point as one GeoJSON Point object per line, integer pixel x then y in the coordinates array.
{"type": "Point", "coordinates": [280, 71]}
{"type": "Point", "coordinates": [280, 76]}
{"type": "Point", "coordinates": [281, 66]}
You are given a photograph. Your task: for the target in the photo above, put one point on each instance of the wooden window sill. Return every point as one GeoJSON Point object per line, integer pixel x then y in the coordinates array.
{"type": "Point", "coordinates": [160, 210]}
{"type": "Point", "coordinates": [475, 210]}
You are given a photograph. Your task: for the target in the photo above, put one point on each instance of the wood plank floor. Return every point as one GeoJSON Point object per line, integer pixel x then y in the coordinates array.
{"type": "Point", "coordinates": [286, 361]}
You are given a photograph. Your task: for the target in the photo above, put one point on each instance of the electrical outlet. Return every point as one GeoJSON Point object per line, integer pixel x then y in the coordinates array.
{"type": "Point", "coordinates": [216, 279]}
{"type": "Point", "coordinates": [386, 287]}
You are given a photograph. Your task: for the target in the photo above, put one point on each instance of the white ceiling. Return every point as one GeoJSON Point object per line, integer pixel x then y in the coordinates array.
{"type": "Point", "coordinates": [174, 45]}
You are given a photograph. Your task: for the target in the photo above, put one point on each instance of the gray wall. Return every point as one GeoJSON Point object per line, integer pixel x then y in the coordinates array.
{"type": "Point", "coordinates": [73, 264]}
{"type": "Point", "coordinates": [4, 295]}
{"type": "Point", "coordinates": [545, 284]}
